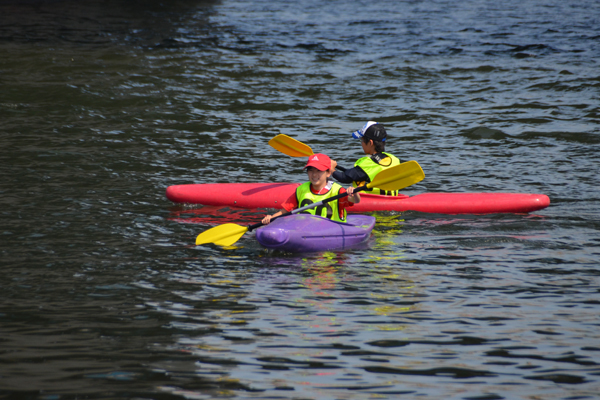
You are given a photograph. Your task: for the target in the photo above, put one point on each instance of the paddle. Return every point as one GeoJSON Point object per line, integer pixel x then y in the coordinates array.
{"type": "Point", "coordinates": [394, 178]}
{"type": "Point", "coordinates": [292, 147]}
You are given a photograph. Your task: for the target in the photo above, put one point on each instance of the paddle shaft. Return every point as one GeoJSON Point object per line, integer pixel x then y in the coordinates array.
{"type": "Point", "coordinates": [309, 206]}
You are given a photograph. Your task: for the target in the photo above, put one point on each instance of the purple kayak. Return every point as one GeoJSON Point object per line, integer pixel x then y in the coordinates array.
{"type": "Point", "coordinates": [300, 233]}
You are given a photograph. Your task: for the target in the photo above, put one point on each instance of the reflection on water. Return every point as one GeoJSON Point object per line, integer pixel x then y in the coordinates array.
{"type": "Point", "coordinates": [101, 23]}
{"type": "Point", "coordinates": [304, 331]}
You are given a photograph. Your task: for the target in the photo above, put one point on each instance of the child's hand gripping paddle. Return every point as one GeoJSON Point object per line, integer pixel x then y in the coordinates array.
{"type": "Point", "coordinates": [394, 178]}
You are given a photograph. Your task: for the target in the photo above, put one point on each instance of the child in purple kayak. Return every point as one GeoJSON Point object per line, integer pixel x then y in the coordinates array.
{"type": "Point", "coordinates": [319, 168]}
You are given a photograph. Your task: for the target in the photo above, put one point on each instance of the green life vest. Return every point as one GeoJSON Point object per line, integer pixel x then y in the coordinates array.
{"type": "Point", "coordinates": [372, 165]}
{"type": "Point", "coordinates": [328, 210]}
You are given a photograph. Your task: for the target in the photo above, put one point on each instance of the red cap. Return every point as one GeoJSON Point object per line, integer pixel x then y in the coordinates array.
{"type": "Point", "coordinates": [319, 161]}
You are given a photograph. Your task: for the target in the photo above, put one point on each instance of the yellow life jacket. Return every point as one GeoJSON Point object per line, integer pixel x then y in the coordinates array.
{"type": "Point", "coordinates": [328, 210]}
{"type": "Point", "coordinates": [372, 165]}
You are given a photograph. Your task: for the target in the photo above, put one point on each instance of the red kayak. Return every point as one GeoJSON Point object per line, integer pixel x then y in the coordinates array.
{"type": "Point", "coordinates": [272, 195]}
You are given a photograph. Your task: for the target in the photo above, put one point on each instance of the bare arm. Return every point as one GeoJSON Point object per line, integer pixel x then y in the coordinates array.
{"type": "Point", "coordinates": [267, 219]}
{"type": "Point", "coordinates": [353, 197]}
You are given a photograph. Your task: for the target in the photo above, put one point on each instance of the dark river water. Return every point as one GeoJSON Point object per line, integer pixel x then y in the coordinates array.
{"type": "Point", "coordinates": [104, 104]}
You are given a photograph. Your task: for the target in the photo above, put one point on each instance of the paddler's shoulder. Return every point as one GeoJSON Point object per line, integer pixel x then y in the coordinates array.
{"type": "Point", "coordinates": [382, 159]}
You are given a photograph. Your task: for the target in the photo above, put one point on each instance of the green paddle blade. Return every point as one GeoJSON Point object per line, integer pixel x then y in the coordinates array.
{"type": "Point", "coordinates": [223, 235]}
{"type": "Point", "coordinates": [398, 177]}
{"type": "Point", "coordinates": [290, 146]}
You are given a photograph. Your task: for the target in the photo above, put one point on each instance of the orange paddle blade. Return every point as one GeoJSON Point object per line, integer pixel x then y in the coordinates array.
{"type": "Point", "coordinates": [290, 146]}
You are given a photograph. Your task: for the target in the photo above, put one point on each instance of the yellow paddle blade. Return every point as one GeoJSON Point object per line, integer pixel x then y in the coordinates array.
{"type": "Point", "coordinates": [398, 177]}
{"type": "Point", "coordinates": [223, 235]}
{"type": "Point", "coordinates": [290, 146]}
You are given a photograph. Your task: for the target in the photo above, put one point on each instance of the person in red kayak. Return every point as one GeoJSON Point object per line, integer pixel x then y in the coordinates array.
{"type": "Point", "coordinates": [372, 138]}
{"type": "Point", "coordinates": [319, 187]}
